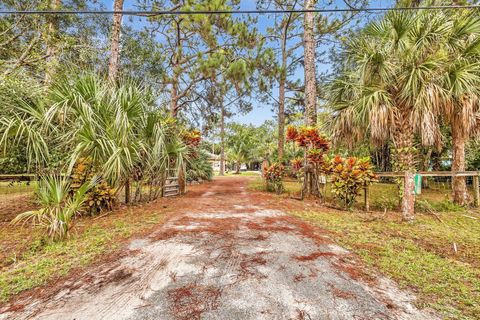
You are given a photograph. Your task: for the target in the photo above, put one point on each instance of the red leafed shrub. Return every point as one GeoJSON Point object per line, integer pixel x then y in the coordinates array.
{"type": "Point", "coordinates": [296, 164]}
{"type": "Point", "coordinates": [349, 176]}
{"type": "Point", "coordinates": [309, 137]}
{"type": "Point", "coordinates": [315, 156]}
{"type": "Point", "coordinates": [192, 138]}
{"type": "Point", "coordinates": [273, 177]}
{"type": "Point", "coordinates": [292, 133]}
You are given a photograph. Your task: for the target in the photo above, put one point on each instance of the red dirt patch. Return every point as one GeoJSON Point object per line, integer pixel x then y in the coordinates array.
{"type": "Point", "coordinates": [216, 226]}
{"type": "Point", "coordinates": [191, 301]}
{"type": "Point", "coordinates": [339, 293]}
{"type": "Point", "coordinates": [355, 272]}
{"type": "Point", "coordinates": [13, 204]}
{"type": "Point", "coordinates": [268, 227]}
{"type": "Point", "coordinates": [249, 263]}
{"type": "Point", "coordinates": [314, 256]}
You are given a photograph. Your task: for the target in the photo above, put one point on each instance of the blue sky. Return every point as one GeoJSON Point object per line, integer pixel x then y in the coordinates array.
{"type": "Point", "coordinates": [260, 112]}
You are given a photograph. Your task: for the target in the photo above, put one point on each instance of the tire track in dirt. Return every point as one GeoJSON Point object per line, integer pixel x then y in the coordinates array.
{"type": "Point", "coordinates": [225, 254]}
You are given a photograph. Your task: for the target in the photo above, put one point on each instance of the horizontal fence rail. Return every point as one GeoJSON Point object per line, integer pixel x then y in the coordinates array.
{"type": "Point", "coordinates": [431, 174]}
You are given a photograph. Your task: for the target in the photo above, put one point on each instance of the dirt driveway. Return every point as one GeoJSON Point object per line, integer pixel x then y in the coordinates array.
{"type": "Point", "coordinates": [226, 253]}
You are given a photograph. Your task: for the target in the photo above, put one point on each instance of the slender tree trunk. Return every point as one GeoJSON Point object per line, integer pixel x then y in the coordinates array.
{"type": "Point", "coordinates": [309, 65]}
{"type": "Point", "coordinates": [115, 41]}
{"type": "Point", "coordinates": [113, 63]}
{"type": "Point", "coordinates": [237, 169]}
{"type": "Point", "coordinates": [281, 92]}
{"type": "Point", "coordinates": [222, 140]}
{"type": "Point", "coordinates": [281, 112]}
{"type": "Point", "coordinates": [174, 96]}
{"type": "Point", "coordinates": [459, 186]}
{"type": "Point", "coordinates": [127, 191]}
{"type": "Point", "coordinates": [51, 38]}
{"type": "Point", "coordinates": [176, 72]}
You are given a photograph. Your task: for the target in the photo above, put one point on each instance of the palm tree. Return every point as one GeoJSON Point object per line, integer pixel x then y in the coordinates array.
{"type": "Point", "coordinates": [414, 69]}
{"type": "Point", "coordinates": [391, 87]}
{"type": "Point", "coordinates": [238, 153]}
{"type": "Point", "coordinates": [462, 83]}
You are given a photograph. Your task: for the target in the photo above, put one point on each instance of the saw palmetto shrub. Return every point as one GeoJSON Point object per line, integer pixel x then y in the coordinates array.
{"type": "Point", "coordinates": [349, 176]}
{"type": "Point", "coordinates": [58, 205]}
{"type": "Point", "coordinates": [199, 168]}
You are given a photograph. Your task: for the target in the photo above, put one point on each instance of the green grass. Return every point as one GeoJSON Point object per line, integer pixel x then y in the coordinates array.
{"type": "Point", "coordinates": [241, 174]}
{"type": "Point", "coordinates": [417, 255]}
{"type": "Point", "coordinates": [16, 187]}
{"type": "Point", "coordinates": [45, 260]}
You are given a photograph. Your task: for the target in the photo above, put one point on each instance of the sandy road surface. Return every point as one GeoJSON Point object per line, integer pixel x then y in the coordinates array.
{"type": "Point", "coordinates": [226, 254]}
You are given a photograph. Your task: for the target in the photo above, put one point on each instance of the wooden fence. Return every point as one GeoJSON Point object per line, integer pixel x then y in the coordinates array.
{"type": "Point", "coordinates": [408, 200]}
{"type": "Point", "coordinates": [17, 177]}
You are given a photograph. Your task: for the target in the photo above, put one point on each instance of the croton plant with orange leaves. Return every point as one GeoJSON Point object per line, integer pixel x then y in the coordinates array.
{"type": "Point", "coordinates": [273, 176]}
{"type": "Point", "coordinates": [349, 176]}
{"type": "Point", "coordinates": [312, 140]}
{"type": "Point", "coordinates": [296, 164]}
{"type": "Point", "coordinates": [192, 138]}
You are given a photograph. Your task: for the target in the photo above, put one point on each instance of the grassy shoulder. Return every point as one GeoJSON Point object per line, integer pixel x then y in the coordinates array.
{"type": "Point", "coordinates": [419, 255]}
{"type": "Point", "coordinates": [439, 260]}
{"type": "Point", "coordinates": [16, 187]}
{"type": "Point", "coordinates": [30, 260]}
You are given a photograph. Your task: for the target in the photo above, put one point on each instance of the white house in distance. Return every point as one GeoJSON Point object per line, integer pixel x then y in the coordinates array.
{"type": "Point", "coordinates": [214, 159]}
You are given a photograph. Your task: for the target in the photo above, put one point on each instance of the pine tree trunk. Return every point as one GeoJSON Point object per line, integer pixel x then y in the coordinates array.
{"type": "Point", "coordinates": [281, 114]}
{"type": "Point", "coordinates": [50, 41]}
{"type": "Point", "coordinates": [115, 41]}
{"type": "Point", "coordinates": [309, 65]}
{"type": "Point", "coordinates": [222, 140]}
{"type": "Point", "coordinates": [281, 92]}
{"type": "Point", "coordinates": [174, 97]}
{"type": "Point", "coordinates": [177, 56]}
{"type": "Point", "coordinates": [459, 186]}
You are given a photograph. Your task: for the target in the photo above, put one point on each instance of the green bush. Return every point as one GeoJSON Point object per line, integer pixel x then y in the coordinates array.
{"type": "Point", "coordinates": [349, 176]}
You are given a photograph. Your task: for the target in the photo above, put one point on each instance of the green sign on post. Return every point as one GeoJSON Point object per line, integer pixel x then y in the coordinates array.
{"type": "Point", "coordinates": [418, 184]}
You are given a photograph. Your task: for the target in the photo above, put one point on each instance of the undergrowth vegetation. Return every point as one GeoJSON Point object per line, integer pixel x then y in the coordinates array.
{"type": "Point", "coordinates": [42, 260]}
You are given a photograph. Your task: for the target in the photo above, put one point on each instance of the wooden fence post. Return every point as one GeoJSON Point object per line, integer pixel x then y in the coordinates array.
{"type": "Point", "coordinates": [476, 191]}
{"type": "Point", "coordinates": [366, 195]}
{"type": "Point", "coordinates": [408, 201]}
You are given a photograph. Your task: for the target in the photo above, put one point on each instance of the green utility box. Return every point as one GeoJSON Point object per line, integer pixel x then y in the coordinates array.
{"type": "Point", "coordinates": [418, 184]}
